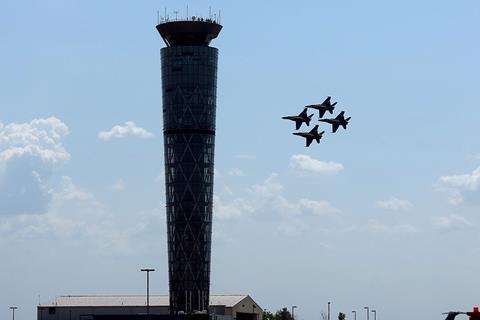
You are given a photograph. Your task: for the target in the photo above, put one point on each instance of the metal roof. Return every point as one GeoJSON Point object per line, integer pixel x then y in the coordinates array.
{"type": "Point", "coordinates": [132, 301]}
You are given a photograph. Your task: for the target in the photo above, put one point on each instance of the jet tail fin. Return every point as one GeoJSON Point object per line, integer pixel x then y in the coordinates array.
{"type": "Point", "coordinates": [344, 125]}
{"type": "Point", "coordinates": [330, 108]}
{"type": "Point", "coordinates": [307, 121]}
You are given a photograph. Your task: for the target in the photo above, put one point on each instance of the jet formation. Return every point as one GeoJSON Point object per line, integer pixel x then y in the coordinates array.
{"type": "Point", "coordinates": [322, 108]}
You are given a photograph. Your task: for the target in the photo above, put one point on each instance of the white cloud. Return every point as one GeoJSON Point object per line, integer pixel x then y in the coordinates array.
{"type": "Point", "coordinates": [469, 181]}
{"type": "Point", "coordinates": [28, 154]}
{"type": "Point", "coordinates": [457, 185]}
{"type": "Point", "coordinates": [130, 129]}
{"type": "Point", "coordinates": [305, 163]}
{"type": "Point", "coordinates": [232, 210]}
{"type": "Point", "coordinates": [318, 208]}
{"type": "Point", "coordinates": [267, 201]}
{"type": "Point", "coordinates": [269, 196]}
{"type": "Point", "coordinates": [394, 204]}
{"type": "Point", "coordinates": [40, 138]}
{"type": "Point", "coordinates": [269, 189]}
{"type": "Point", "coordinates": [75, 218]}
{"type": "Point", "coordinates": [451, 222]}
{"type": "Point", "coordinates": [376, 226]}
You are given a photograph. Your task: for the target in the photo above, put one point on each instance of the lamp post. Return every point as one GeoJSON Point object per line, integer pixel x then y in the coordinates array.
{"type": "Point", "coordinates": [354, 314]}
{"type": "Point", "coordinates": [374, 314]}
{"type": "Point", "coordinates": [368, 313]}
{"type": "Point", "coordinates": [13, 312]}
{"type": "Point", "coordinates": [148, 289]}
{"type": "Point", "coordinates": [328, 310]}
{"type": "Point", "coordinates": [293, 312]}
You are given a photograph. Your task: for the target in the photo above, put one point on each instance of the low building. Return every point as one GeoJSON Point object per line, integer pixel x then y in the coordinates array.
{"type": "Point", "coordinates": [119, 307]}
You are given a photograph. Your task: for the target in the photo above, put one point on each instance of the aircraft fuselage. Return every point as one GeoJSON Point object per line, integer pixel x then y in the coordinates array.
{"type": "Point", "coordinates": [295, 118]}
{"type": "Point", "coordinates": [322, 108]}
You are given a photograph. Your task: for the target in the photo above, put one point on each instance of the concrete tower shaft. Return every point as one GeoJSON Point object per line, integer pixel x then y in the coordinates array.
{"type": "Point", "coordinates": [189, 84]}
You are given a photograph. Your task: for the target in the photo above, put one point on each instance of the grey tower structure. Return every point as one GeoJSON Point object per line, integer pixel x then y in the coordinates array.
{"type": "Point", "coordinates": [189, 85]}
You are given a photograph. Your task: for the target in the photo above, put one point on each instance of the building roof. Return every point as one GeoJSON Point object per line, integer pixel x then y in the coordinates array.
{"type": "Point", "coordinates": [132, 301]}
{"type": "Point", "coordinates": [189, 32]}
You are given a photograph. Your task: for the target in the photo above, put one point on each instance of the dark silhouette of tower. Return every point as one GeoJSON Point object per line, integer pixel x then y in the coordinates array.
{"type": "Point", "coordinates": [189, 85]}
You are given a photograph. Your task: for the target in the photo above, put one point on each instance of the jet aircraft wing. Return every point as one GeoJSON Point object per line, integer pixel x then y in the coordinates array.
{"type": "Point", "coordinates": [334, 127]}
{"type": "Point", "coordinates": [321, 112]}
{"type": "Point", "coordinates": [452, 314]}
{"type": "Point", "coordinates": [298, 124]}
{"type": "Point", "coordinates": [309, 141]}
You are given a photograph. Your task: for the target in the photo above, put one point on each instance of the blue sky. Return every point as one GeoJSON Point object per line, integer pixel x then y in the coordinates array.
{"type": "Point", "coordinates": [384, 214]}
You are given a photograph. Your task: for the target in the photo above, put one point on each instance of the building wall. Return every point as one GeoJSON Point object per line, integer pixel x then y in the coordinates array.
{"type": "Point", "coordinates": [81, 313]}
{"type": "Point", "coordinates": [219, 312]}
{"type": "Point", "coordinates": [189, 87]}
{"type": "Point", "coordinates": [247, 305]}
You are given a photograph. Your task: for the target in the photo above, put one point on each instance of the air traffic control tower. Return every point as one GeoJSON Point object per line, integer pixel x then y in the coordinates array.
{"type": "Point", "coordinates": [189, 87]}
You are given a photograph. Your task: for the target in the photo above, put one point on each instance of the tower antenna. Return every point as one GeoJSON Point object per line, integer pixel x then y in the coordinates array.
{"type": "Point", "coordinates": [187, 11]}
{"type": "Point", "coordinates": [158, 17]}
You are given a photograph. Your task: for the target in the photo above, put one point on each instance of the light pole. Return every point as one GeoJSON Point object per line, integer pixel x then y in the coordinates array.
{"type": "Point", "coordinates": [148, 290]}
{"type": "Point", "coordinates": [374, 314]}
{"type": "Point", "coordinates": [293, 312]}
{"type": "Point", "coordinates": [328, 310]}
{"type": "Point", "coordinates": [13, 312]}
{"type": "Point", "coordinates": [368, 313]}
{"type": "Point", "coordinates": [354, 314]}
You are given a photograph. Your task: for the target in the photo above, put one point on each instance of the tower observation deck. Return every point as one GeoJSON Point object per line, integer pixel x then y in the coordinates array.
{"type": "Point", "coordinates": [189, 89]}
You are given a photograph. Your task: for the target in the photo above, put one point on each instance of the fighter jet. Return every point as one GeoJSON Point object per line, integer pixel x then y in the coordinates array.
{"type": "Point", "coordinates": [452, 314]}
{"type": "Point", "coordinates": [323, 107]}
{"type": "Point", "coordinates": [338, 121]}
{"type": "Point", "coordinates": [301, 118]}
{"type": "Point", "coordinates": [475, 315]}
{"type": "Point", "coordinates": [311, 135]}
